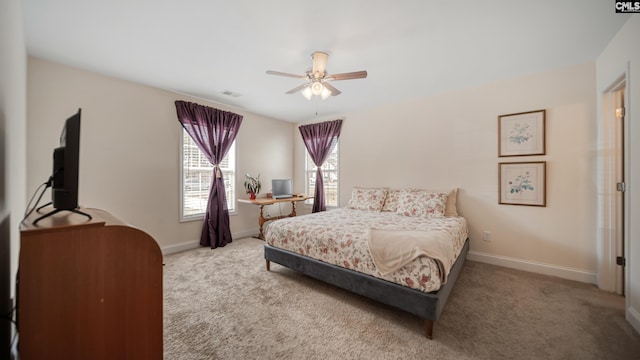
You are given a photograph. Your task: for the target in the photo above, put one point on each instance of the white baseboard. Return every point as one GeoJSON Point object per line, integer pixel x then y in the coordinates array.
{"type": "Point", "coordinates": [172, 249]}
{"type": "Point", "coordinates": [633, 317]}
{"type": "Point", "coordinates": [194, 244]}
{"type": "Point", "coordinates": [246, 233]}
{"type": "Point", "coordinates": [535, 267]}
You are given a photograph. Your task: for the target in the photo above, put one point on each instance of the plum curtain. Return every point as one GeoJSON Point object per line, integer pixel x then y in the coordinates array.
{"type": "Point", "coordinates": [213, 131]}
{"type": "Point", "coordinates": [320, 139]}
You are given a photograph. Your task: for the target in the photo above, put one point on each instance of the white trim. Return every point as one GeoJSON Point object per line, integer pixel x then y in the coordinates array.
{"type": "Point", "coordinates": [172, 249]}
{"type": "Point", "coordinates": [606, 238]}
{"type": "Point", "coordinates": [627, 203]}
{"type": "Point", "coordinates": [200, 216]}
{"type": "Point", "coordinates": [307, 171]}
{"type": "Point", "coordinates": [194, 244]}
{"type": "Point", "coordinates": [633, 317]}
{"type": "Point", "coordinates": [535, 267]}
{"type": "Point", "coordinates": [246, 233]}
{"type": "Point", "coordinates": [181, 179]}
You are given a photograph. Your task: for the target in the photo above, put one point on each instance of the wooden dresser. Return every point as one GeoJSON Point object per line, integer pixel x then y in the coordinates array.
{"type": "Point", "coordinates": [88, 289]}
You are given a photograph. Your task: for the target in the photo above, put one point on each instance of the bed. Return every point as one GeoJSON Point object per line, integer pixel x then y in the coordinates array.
{"type": "Point", "coordinates": [342, 247]}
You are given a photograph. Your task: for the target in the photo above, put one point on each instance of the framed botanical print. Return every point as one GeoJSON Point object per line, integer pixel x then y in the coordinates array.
{"type": "Point", "coordinates": [522, 183]}
{"type": "Point", "coordinates": [521, 134]}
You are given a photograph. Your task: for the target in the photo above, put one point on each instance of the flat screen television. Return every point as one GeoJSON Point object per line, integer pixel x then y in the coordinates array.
{"type": "Point", "coordinates": [281, 188]}
{"type": "Point", "coordinates": [66, 164]}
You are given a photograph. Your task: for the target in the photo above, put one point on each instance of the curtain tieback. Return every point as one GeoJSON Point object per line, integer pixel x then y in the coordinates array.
{"type": "Point", "coordinates": [218, 174]}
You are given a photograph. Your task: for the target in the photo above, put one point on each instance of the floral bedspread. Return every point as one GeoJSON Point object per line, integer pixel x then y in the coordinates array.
{"type": "Point", "coordinates": [339, 237]}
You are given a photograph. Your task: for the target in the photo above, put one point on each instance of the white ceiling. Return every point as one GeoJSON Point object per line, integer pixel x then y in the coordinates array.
{"type": "Point", "coordinates": [410, 48]}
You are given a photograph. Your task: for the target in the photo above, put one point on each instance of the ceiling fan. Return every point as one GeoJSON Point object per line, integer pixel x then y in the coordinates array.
{"type": "Point", "coordinates": [318, 78]}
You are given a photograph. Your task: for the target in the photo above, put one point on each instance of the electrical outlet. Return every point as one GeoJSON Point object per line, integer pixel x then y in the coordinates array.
{"type": "Point", "coordinates": [486, 235]}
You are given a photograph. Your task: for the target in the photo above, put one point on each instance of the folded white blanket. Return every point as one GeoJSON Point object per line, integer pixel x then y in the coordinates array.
{"type": "Point", "coordinates": [393, 249]}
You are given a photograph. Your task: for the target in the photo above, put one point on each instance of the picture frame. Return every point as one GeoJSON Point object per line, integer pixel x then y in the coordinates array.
{"type": "Point", "coordinates": [521, 134]}
{"type": "Point", "coordinates": [522, 183]}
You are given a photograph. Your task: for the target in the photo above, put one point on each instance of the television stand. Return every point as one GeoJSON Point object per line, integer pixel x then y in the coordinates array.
{"type": "Point", "coordinates": [57, 211]}
{"type": "Point", "coordinates": [88, 289]}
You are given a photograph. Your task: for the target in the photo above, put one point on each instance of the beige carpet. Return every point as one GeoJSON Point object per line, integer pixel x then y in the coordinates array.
{"type": "Point", "coordinates": [223, 304]}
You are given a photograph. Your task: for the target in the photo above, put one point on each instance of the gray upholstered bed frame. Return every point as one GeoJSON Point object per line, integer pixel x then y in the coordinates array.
{"type": "Point", "coordinates": [425, 305]}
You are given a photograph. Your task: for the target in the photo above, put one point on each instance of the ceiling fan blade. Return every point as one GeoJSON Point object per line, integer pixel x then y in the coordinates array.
{"type": "Point", "coordinates": [332, 88]}
{"type": "Point", "coordinates": [319, 63]}
{"type": "Point", "coordinates": [296, 89]}
{"type": "Point", "coordinates": [271, 72]}
{"type": "Point", "coordinates": [347, 76]}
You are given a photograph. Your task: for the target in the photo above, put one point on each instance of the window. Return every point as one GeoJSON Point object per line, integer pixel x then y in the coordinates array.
{"type": "Point", "coordinates": [196, 179]}
{"type": "Point", "coordinates": [329, 174]}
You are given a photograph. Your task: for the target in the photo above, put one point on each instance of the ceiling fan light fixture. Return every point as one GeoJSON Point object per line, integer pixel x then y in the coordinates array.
{"type": "Point", "coordinates": [307, 93]}
{"type": "Point", "coordinates": [325, 93]}
{"type": "Point", "coordinates": [317, 87]}
{"type": "Point", "coordinates": [317, 81]}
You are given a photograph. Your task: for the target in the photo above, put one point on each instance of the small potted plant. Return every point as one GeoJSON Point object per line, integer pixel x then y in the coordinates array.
{"type": "Point", "coordinates": [252, 185]}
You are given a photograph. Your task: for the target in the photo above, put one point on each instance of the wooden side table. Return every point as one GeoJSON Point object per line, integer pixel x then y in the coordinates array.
{"type": "Point", "coordinates": [269, 201]}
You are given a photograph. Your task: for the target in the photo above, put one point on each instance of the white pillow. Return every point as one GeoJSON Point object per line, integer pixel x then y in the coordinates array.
{"type": "Point", "coordinates": [422, 203]}
{"type": "Point", "coordinates": [369, 199]}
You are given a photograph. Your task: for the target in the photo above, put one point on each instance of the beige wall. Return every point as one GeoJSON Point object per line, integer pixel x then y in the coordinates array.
{"type": "Point", "coordinates": [622, 57]}
{"type": "Point", "coordinates": [13, 139]}
{"type": "Point", "coordinates": [130, 140]}
{"type": "Point", "coordinates": [451, 140]}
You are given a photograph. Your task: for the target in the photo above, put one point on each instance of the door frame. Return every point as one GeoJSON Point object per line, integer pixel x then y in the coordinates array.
{"type": "Point", "coordinates": [607, 220]}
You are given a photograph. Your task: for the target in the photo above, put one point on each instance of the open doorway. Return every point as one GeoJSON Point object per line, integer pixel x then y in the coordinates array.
{"type": "Point", "coordinates": [612, 189]}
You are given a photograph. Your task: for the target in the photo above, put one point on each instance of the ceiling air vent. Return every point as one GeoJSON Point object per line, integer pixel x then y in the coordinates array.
{"type": "Point", "coordinates": [231, 93]}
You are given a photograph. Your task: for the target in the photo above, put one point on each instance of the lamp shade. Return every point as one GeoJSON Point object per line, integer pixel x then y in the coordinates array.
{"type": "Point", "coordinates": [325, 93]}
{"type": "Point", "coordinates": [307, 93]}
{"type": "Point", "coordinates": [316, 88]}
